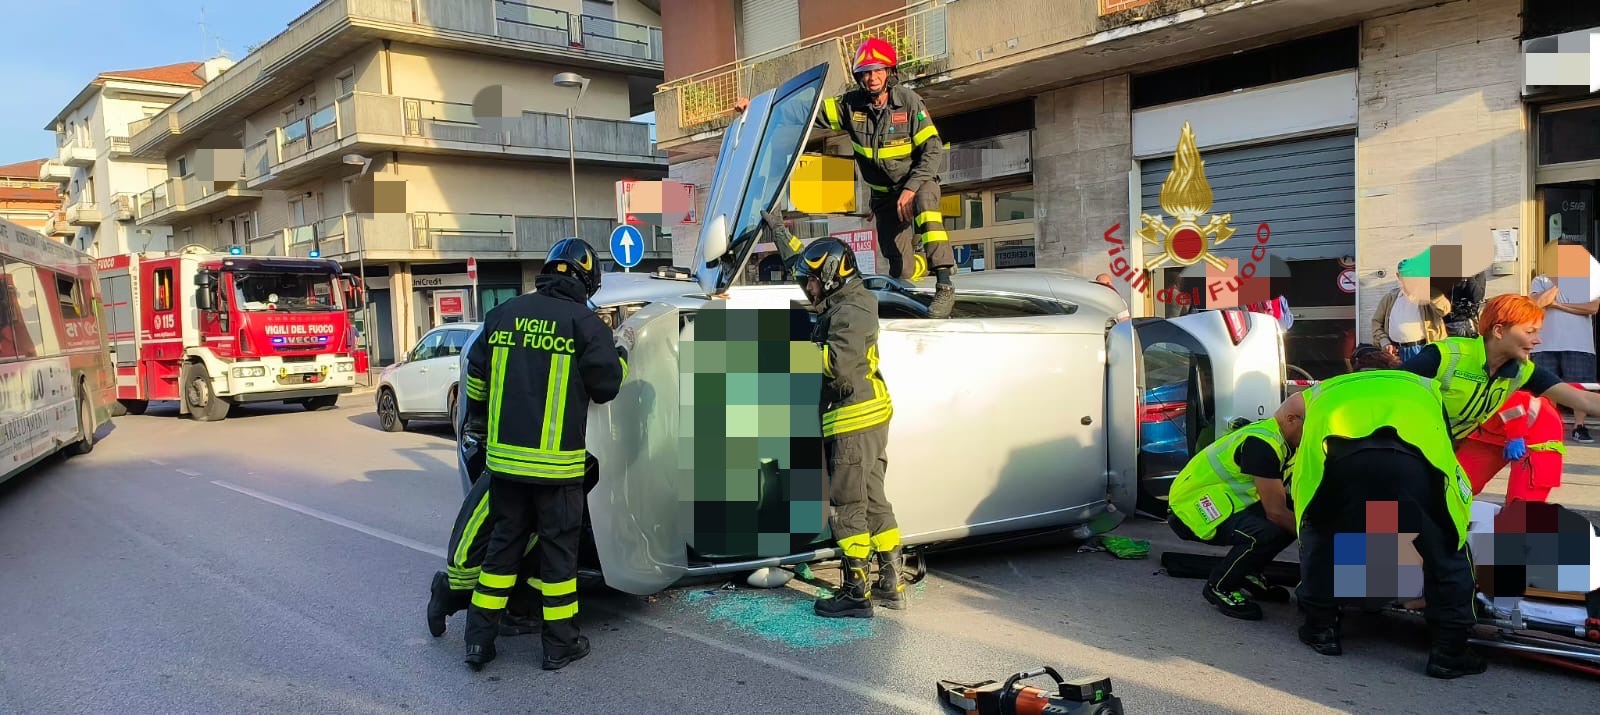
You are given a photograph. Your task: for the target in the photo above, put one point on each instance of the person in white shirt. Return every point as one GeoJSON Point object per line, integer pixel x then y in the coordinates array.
{"type": "Point", "coordinates": [1402, 327]}
{"type": "Point", "coordinates": [1568, 340]}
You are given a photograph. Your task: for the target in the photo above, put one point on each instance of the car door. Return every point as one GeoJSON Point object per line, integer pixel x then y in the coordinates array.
{"type": "Point", "coordinates": [413, 377]}
{"type": "Point", "coordinates": [444, 369]}
{"type": "Point", "coordinates": [1198, 375]}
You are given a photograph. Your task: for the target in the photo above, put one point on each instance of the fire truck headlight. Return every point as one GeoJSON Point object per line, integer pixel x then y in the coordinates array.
{"type": "Point", "coordinates": [249, 372]}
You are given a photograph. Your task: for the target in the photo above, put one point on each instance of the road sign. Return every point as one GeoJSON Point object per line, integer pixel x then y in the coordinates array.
{"type": "Point", "coordinates": [627, 246]}
{"type": "Point", "coordinates": [963, 254]}
{"type": "Point", "coordinates": [1347, 280]}
{"type": "Point", "coordinates": [472, 268]}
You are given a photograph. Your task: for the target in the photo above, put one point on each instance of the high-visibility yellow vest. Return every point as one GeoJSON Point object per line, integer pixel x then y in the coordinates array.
{"type": "Point", "coordinates": [1470, 396]}
{"type": "Point", "coordinates": [1358, 404]}
{"type": "Point", "coordinates": [1212, 486]}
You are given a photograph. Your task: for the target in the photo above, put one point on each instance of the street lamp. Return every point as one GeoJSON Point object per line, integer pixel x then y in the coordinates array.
{"type": "Point", "coordinates": [573, 79]}
{"type": "Point", "coordinates": [366, 304]}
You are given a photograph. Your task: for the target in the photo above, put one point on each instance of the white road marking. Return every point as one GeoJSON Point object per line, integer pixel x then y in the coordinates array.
{"type": "Point", "coordinates": [340, 521]}
{"type": "Point", "coordinates": [855, 687]}
{"type": "Point", "coordinates": [189, 472]}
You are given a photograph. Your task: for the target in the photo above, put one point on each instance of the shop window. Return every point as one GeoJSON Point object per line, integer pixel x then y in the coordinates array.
{"type": "Point", "coordinates": [1017, 253]}
{"type": "Point", "coordinates": [1569, 135]}
{"type": "Point", "coordinates": [488, 298]}
{"type": "Point", "coordinates": [1014, 205]}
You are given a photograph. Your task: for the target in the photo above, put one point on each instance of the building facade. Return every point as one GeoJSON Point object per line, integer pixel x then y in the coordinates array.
{"type": "Point", "coordinates": [1359, 132]}
{"type": "Point", "coordinates": [403, 137]}
{"type": "Point", "coordinates": [97, 173]}
{"type": "Point", "coordinates": [30, 202]}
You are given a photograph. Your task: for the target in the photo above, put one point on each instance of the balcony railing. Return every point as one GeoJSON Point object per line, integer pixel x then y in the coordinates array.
{"type": "Point", "coordinates": [83, 213]}
{"type": "Point", "coordinates": [504, 21]}
{"type": "Point", "coordinates": [378, 115]}
{"type": "Point", "coordinates": [436, 231]}
{"type": "Point", "coordinates": [119, 145]}
{"type": "Point", "coordinates": [917, 32]}
{"type": "Point", "coordinates": [124, 206]}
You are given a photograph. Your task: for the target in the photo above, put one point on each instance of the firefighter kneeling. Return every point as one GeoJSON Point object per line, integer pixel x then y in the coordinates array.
{"type": "Point", "coordinates": [530, 407]}
{"type": "Point", "coordinates": [1378, 462]}
{"type": "Point", "coordinates": [1232, 494]}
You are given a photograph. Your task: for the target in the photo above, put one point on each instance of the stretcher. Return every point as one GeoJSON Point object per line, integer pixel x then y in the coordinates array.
{"type": "Point", "coordinates": [1559, 627]}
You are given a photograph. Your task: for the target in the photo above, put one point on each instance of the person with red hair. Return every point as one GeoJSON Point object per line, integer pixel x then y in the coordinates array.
{"type": "Point", "coordinates": [1478, 374]}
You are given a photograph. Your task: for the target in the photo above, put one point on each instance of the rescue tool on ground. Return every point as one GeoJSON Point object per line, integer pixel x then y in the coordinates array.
{"type": "Point", "coordinates": [1088, 696]}
{"type": "Point", "coordinates": [214, 330]}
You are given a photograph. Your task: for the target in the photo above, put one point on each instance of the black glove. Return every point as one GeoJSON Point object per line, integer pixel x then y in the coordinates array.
{"type": "Point", "coordinates": [622, 352]}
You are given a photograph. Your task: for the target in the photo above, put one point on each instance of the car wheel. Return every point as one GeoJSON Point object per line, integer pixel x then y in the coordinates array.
{"type": "Point", "coordinates": [455, 425]}
{"type": "Point", "coordinates": [201, 397]}
{"type": "Point", "coordinates": [389, 412]}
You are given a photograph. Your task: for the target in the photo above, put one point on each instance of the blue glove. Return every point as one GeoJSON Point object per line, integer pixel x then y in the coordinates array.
{"type": "Point", "coordinates": [1516, 449]}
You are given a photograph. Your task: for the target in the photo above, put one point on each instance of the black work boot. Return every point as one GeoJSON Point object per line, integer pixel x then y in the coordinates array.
{"type": "Point", "coordinates": [1259, 589]}
{"type": "Point", "coordinates": [944, 298]}
{"type": "Point", "coordinates": [852, 599]}
{"type": "Point", "coordinates": [1233, 603]}
{"type": "Point", "coordinates": [1322, 636]}
{"type": "Point", "coordinates": [443, 602]}
{"type": "Point", "coordinates": [479, 655]}
{"type": "Point", "coordinates": [889, 590]}
{"type": "Point", "coordinates": [1451, 657]}
{"type": "Point", "coordinates": [558, 657]}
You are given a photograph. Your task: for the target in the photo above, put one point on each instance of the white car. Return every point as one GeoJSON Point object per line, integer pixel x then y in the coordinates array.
{"type": "Point", "coordinates": [423, 385]}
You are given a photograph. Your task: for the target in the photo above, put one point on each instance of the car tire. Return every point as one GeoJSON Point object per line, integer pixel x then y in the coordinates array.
{"type": "Point", "coordinates": [200, 395]}
{"type": "Point", "coordinates": [455, 426]}
{"type": "Point", "coordinates": [86, 425]}
{"type": "Point", "coordinates": [389, 412]}
{"type": "Point", "coordinates": [321, 403]}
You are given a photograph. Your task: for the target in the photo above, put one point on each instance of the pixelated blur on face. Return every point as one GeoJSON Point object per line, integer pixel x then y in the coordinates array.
{"type": "Point", "coordinates": [874, 79]}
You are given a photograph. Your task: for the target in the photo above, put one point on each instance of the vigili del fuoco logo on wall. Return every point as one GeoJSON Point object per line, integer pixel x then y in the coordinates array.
{"type": "Point", "coordinates": [1186, 197]}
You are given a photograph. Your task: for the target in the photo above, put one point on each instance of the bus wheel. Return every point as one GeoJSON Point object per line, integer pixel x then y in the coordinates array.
{"type": "Point", "coordinates": [200, 397]}
{"type": "Point", "coordinates": [86, 426]}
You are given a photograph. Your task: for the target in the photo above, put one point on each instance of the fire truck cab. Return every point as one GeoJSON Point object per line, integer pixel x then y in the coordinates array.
{"type": "Point", "coordinates": [214, 330]}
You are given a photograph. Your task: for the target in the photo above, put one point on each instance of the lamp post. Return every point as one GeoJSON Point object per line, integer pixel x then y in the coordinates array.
{"type": "Point", "coordinates": [573, 79]}
{"type": "Point", "coordinates": [366, 305]}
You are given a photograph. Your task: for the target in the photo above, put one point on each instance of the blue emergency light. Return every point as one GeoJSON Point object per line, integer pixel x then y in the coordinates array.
{"type": "Point", "coordinates": [236, 250]}
{"type": "Point", "coordinates": [316, 254]}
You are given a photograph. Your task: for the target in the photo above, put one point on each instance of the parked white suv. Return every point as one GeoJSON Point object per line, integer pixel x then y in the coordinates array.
{"type": "Point", "coordinates": [423, 385]}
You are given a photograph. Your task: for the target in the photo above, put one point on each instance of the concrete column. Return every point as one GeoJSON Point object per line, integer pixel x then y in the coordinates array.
{"type": "Point", "coordinates": [400, 311]}
{"type": "Point", "coordinates": [1082, 156]}
{"type": "Point", "coordinates": [1442, 149]}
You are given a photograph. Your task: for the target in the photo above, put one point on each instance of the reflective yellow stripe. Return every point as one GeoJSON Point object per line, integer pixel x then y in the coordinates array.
{"type": "Point", "coordinates": [461, 579]}
{"type": "Point", "coordinates": [497, 374]}
{"type": "Point", "coordinates": [560, 613]}
{"type": "Point", "coordinates": [888, 152]}
{"type": "Point", "coordinates": [929, 217]}
{"type": "Point", "coordinates": [1552, 446]}
{"type": "Point", "coordinates": [935, 237]}
{"type": "Point", "coordinates": [497, 580]}
{"type": "Point", "coordinates": [624, 366]}
{"type": "Point", "coordinates": [560, 588]}
{"type": "Point", "coordinates": [513, 465]}
{"type": "Point", "coordinates": [886, 541]}
{"type": "Point", "coordinates": [485, 601]}
{"type": "Point", "coordinates": [531, 543]}
{"type": "Point", "coordinates": [555, 401]}
{"type": "Point", "coordinates": [876, 187]}
{"type": "Point", "coordinates": [856, 546]}
{"type": "Point", "coordinates": [474, 523]}
{"type": "Point", "coordinates": [476, 388]}
{"type": "Point", "coordinates": [827, 362]}
{"type": "Point", "coordinates": [924, 135]}
{"type": "Point", "coordinates": [830, 109]}
{"type": "Point", "coordinates": [794, 244]}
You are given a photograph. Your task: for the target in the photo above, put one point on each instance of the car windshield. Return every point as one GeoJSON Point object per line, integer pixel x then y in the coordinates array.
{"type": "Point", "coordinates": [279, 291]}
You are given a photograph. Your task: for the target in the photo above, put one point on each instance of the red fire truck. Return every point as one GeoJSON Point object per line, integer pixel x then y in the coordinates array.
{"type": "Point", "coordinates": [212, 330]}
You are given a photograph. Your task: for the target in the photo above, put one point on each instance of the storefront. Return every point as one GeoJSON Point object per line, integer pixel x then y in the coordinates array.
{"type": "Point", "coordinates": [988, 204]}
{"type": "Point", "coordinates": [440, 294]}
{"type": "Point", "coordinates": [1567, 177]}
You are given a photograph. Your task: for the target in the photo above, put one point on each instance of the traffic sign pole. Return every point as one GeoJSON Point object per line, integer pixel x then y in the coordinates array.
{"type": "Point", "coordinates": [472, 275]}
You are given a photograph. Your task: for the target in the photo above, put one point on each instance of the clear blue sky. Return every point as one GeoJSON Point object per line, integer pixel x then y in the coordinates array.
{"type": "Point", "coordinates": [58, 46]}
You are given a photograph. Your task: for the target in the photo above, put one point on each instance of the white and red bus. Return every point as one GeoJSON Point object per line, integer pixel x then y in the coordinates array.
{"type": "Point", "coordinates": [57, 383]}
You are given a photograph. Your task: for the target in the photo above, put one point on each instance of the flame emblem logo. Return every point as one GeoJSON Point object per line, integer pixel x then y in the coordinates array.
{"type": "Point", "coordinates": [1186, 196]}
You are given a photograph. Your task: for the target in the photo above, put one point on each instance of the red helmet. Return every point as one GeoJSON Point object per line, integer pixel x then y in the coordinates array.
{"type": "Point", "coordinates": [873, 54]}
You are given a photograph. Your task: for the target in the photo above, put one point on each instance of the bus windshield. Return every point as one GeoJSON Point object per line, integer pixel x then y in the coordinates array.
{"type": "Point", "coordinates": [280, 291]}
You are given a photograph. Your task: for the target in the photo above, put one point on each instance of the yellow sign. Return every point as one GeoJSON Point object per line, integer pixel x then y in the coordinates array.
{"type": "Point", "coordinates": [1186, 196]}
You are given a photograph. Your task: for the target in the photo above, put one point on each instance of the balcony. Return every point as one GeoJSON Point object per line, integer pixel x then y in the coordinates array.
{"type": "Point", "coordinates": [58, 227]}
{"type": "Point", "coordinates": [55, 171]}
{"type": "Point", "coordinates": [439, 236]}
{"type": "Point", "coordinates": [119, 146]}
{"type": "Point", "coordinates": [362, 123]}
{"type": "Point", "coordinates": [83, 213]}
{"type": "Point", "coordinates": [335, 28]}
{"type": "Point", "coordinates": [175, 198]}
{"type": "Point", "coordinates": [124, 206]}
{"type": "Point", "coordinates": [76, 153]}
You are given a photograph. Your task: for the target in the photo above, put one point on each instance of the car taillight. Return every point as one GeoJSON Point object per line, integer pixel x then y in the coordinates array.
{"type": "Point", "coordinates": [1162, 411]}
{"type": "Point", "coordinates": [1238, 322]}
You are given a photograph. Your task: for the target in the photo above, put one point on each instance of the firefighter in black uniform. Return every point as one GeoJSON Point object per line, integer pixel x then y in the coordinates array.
{"type": "Point", "coordinates": [451, 589]}
{"type": "Point", "coordinates": [855, 429]}
{"type": "Point", "coordinates": [543, 358]}
{"type": "Point", "coordinates": [899, 154]}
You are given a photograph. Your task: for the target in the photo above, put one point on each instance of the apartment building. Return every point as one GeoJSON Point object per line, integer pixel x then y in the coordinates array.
{"type": "Point", "coordinates": [27, 201]}
{"type": "Point", "coordinates": [402, 137]}
{"type": "Point", "coordinates": [1360, 132]}
{"type": "Point", "coordinates": [93, 166]}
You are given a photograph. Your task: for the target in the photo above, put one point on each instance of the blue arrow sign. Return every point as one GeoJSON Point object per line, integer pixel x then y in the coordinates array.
{"type": "Point", "coordinates": [963, 254]}
{"type": "Point", "coordinates": [627, 246]}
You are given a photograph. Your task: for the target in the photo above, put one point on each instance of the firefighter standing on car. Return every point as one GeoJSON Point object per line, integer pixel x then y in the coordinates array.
{"type": "Point", "coordinates": [1232, 494]}
{"type": "Point", "coordinates": [855, 430]}
{"type": "Point", "coordinates": [899, 154]}
{"type": "Point", "coordinates": [543, 358]}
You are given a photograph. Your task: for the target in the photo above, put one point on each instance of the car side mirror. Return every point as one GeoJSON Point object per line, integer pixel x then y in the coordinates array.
{"type": "Point", "coordinates": [205, 284]}
{"type": "Point", "coordinates": [355, 293]}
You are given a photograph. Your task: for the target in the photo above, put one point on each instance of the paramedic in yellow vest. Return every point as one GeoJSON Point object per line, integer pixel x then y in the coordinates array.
{"type": "Point", "coordinates": [1509, 330]}
{"type": "Point", "coordinates": [1376, 470]}
{"type": "Point", "coordinates": [1231, 494]}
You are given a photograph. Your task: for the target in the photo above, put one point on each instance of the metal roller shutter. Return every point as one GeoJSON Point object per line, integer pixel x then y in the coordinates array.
{"type": "Point", "coordinates": [766, 25]}
{"type": "Point", "coordinates": [1304, 190]}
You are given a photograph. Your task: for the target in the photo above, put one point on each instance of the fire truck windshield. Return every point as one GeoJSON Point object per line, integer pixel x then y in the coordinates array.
{"type": "Point", "coordinates": [280, 291]}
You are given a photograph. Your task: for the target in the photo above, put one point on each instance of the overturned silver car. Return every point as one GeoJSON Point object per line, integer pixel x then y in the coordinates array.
{"type": "Point", "coordinates": [1024, 411]}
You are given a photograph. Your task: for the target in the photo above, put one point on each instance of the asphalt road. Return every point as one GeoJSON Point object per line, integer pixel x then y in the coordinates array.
{"type": "Point", "coordinates": [278, 562]}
